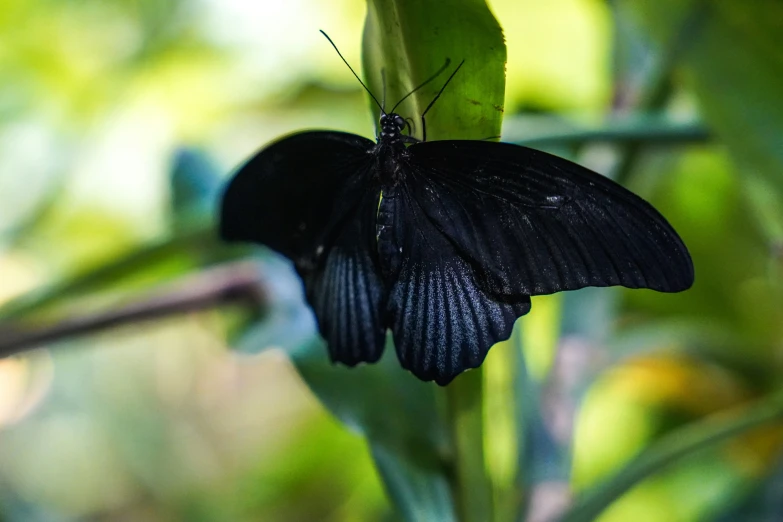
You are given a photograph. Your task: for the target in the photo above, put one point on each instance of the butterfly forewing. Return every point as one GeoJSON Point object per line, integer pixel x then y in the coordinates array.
{"type": "Point", "coordinates": [292, 194]}
{"type": "Point", "coordinates": [442, 321]}
{"type": "Point", "coordinates": [530, 223]}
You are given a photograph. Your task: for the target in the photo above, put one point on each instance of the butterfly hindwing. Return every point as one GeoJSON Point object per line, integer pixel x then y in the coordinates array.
{"type": "Point", "coordinates": [346, 291]}
{"type": "Point", "coordinates": [531, 223]}
{"type": "Point", "coordinates": [292, 194]}
{"type": "Point", "coordinates": [442, 322]}
{"type": "Point", "coordinates": [308, 196]}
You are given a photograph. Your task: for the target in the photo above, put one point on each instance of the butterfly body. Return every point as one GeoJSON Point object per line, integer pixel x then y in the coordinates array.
{"type": "Point", "coordinates": [389, 243]}
{"type": "Point", "coordinates": [390, 151]}
{"type": "Point", "coordinates": [443, 242]}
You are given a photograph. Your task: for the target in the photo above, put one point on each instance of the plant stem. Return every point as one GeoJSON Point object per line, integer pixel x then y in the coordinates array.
{"type": "Point", "coordinates": [470, 485]}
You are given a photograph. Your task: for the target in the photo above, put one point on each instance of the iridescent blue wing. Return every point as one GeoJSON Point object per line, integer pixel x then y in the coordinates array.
{"type": "Point", "coordinates": [346, 291]}
{"type": "Point", "coordinates": [442, 321]}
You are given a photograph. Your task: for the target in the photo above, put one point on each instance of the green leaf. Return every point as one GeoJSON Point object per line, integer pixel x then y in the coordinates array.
{"type": "Point", "coordinates": [672, 447]}
{"type": "Point", "coordinates": [412, 39]}
{"type": "Point", "coordinates": [417, 494]}
{"type": "Point", "coordinates": [399, 416]}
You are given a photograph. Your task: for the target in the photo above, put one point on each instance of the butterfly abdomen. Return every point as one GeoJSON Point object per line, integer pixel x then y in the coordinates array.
{"type": "Point", "coordinates": [389, 243]}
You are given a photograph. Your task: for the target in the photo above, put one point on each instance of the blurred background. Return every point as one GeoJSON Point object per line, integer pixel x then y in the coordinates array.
{"type": "Point", "coordinates": [119, 121]}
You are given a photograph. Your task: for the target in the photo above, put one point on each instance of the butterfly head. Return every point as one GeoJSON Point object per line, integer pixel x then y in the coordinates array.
{"type": "Point", "coordinates": [392, 125]}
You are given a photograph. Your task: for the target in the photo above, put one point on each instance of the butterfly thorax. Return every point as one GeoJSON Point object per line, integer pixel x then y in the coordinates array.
{"type": "Point", "coordinates": [390, 149]}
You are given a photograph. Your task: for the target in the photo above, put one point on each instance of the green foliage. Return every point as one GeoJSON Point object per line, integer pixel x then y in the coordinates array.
{"type": "Point", "coordinates": [730, 53]}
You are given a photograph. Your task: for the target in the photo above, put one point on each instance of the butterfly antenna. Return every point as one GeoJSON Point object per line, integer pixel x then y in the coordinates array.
{"type": "Point", "coordinates": [383, 97]}
{"type": "Point", "coordinates": [428, 80]}
{"type": "Point", "coordinates": [423, 121]}
{"type": "Point", "coordinates": [354, 72]}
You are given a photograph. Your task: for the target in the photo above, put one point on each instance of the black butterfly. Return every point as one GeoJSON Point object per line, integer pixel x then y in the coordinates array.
{"type": "Point", "coordinates": [465, 232]}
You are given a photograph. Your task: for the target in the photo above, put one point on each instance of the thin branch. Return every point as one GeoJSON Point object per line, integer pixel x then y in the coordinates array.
{"type": "Point", "coordinates": [202, 240]}
{"type": "Point", "coordinates": [623, 132]}
{"type": "Point", "coordinates": [238, 282]}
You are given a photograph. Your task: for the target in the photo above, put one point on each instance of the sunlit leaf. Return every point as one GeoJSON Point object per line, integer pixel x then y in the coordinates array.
{"type": "Point", "coordinates": [410, 40]}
